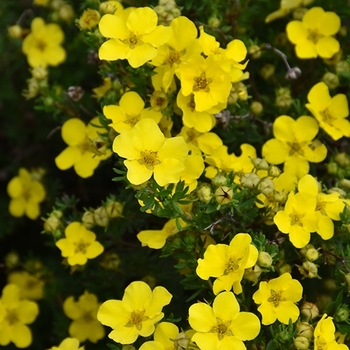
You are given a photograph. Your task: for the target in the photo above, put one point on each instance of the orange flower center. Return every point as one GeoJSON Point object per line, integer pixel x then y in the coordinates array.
{"type": "Point", "coordinates": [149, 159]}
{"type": "Point", "coordinates": [173, 57]}
{"type": "Point", "coordinates": [202, 83]}
{"type": "Point", "coordinates": [295, 147]}
{"type": "Point", "coordinates": [133, 40]}
{"type": "Point", "coordinates": [295, 218]}
{"type": "Point", "coordinates": [231, 266]}
{"type": "Point", "coordinates": [222, 329]}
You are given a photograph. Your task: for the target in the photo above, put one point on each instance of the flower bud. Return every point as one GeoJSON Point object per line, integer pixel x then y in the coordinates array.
{"type": "Point", "coordinates": [181, 341]}
{"type": "Point", "coordinates": [39, 73]}
{"type": "Point", "coordinates": [266, 186]}
{"type": "Point", "coordinates": [285, 268]}
{"type": "Point", "coordinates": [308, 269]}
{"type": "Point", "coordinates": [301, 343]}
{"type": "Point", "coordinates": [264, 259]}
{"type": "Point", "coordinates": [219, 180]}
{"type": "Point", "coordinates": [75, 93]}
{"type": "Point", "coordinates": [114, 209]}
{"type": "Point", "coordinates": [89, 19]}
{"type": "Point", "coordinates": [256, 107]}
{"type": "Point", "coordinates": [280, 197]}
{"type": "Point", "coordinates": [260, 164]}
{"type": "Point", "coordinates": [267, 71]}
{"type": "Point", "coordinates": [204, 193]}
{"type": "Point", "coordinates": [66, 13]}
{"type": "Point", "coordinates": [341, 192]}
{"type": "Point", "coordinates": [331, 80]}
{"type": "Point", "coordinates": [283, 98]}
{"type": "Point", "coordinates": [250, 180]}
{"type": "Point", "coordinates": [101, 217]}
{"type": "Point", "coordinates": [252, 274]}
{"type": "Point", "coordinates": [311, 254]}
{"type": "Point", "coordinates": [223, 195]}
{"type": "Point", "coordinates": [342, 67]}
{"type": "Point", "coordinates": [110, 7]}
{"type": "Point", "coordinates": [254, 51]}
{"type": "Point", "coordinates": [15, 31]}
{"type": "Point", "coordinates": [305, 329]}
{"type": "Point", "coordinates": [51, 224]}
{"type": "Point", "coordinates": [309, 310]}
{"type": "Point", "coordinates": [88, 219]}
{"type": "Point", "coordinates": [342, 159]}
{"type": "Point", "coordinates": [214, 22]}
{"type": "Point", "coordinates": [299, 13]}
{"type": "Point", "coordinates": [342, 314]}
{"type": "Point", "coordinates": [344, 183]}
{"type": "Point", "coordinates": [274, 171]}
{"type": "Point", "coordinates": [110, 261]}
{"type": "Point", "coordinates": [12, 260]}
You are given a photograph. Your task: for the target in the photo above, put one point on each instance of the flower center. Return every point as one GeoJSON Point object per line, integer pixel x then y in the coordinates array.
{"type": "Point", "coordinates": [192, 104]}
{"type": "Point", "coordinates": [275, 298]}
{"type": "Point", "coordinates": [295, 219]}
{"type": "Point", "coordinates": [231, 266]}
{"type": "Point", "coordinates": [149, 159]}
{"type": "Point", "coordinates": [321, 344]}
{"type": "Point", "coordinates": [174, 57]}
{"type": "Point", "coordinates": [80, 247]}
{"type": "Point", "coordinates": [40, 45]}
{"type": "Point", "coordinates": [222, 329]}
{"type": "Point", "coordinates": [314, 36]}
{"type": "Point", "coordinates": [327, 116]}
{"type": "Point", "coordinates": [87, 317]}
{"type": "Point", "coordinates": [202, 83]}
{"type": "Point", "coordinates": [133, 40]}
{"type": "Point", "coordinates": [132, 119]}
{"type": "Point", "coordinates": [295, 147]}
{"type": "Point", "coordinates": [12, 317]}
{"type": "Point", "coordinates": [136, 319]}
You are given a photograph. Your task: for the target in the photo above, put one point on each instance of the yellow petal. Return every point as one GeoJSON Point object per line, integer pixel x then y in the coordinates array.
{"type": "Point", "coordinates": [201, 317]}
{"type": "Point", "coordinates": [112, 26]}
{"type": "Point", "coordinates": [68, 157]}
{"type": "Point", "coordinates": [73, 132]}
{"type": "Point", "coordinates": [296, 31]}
{"type": "Point", "coordinates": [225, 306]}
{"type": "Point", "coordinates": [329, 23]}
{"type": "Point", "coordinates": [245, 325]}
{"type": "Point", "coordinates": [142, 20]}
{"type": "Point", "coordinates": [113, 49]}
{"type": "Point", "coordinates": [327, 47]}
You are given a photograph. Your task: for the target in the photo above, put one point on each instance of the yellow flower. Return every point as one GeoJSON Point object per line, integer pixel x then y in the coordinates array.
{"type": "Point", "coordinates": [328, 206]}
{"type": "Point", "coordinates": [285, 7]}
{"type": "Point", "coordinates": [277, 299]}
{"type": "Point", "coordinates": [136, 314]}
{"type": "Point", "coordinates": [43, 44]}
{"type": "Point", "coordinates": [156, 239]}
{"type": "Point", "coordinates": [79, 244]}
{"type": "Point", "coordinates": [149, 153]}
{"type": "Point", "coordinates": [177, 49]}
{"type": "Point", "coordinates": [313, 35]}
{"type": "Point", "coordinates": [26, 194]}
{"type": "Point", "coordinates": [298, 218]}
{"type": "Point", "coordinates": [89, 19]}
{"type": "Point", "coordinates": [15, 315]}
{"type": "Point", "coordinates": [83, 312]}
{"type": "Point", "coordinates": [293, 145]}
{"type": "Point", "coordinates": [134, 38]}
{"type": "Point", "coordinates": [227, 263]}
{"type": "Point", "coordinates": [31, 287]}
{"type": "Point", "coordinates": [84, 151]}
{"type": "Point", "coordinates": [206, 80]}
{"type": "Point", "coordinates": [100, 91]}
{"type": "Point", "coordinates": [68, 344]}
{"type": "Point", "coordinates": [222, 326]}
{"type": "Point", "coordinates": [129, 112]}
{"type": "Point", "coordinates": [329, 111]}
{"type": "Point", "coordinates": [325, 335]}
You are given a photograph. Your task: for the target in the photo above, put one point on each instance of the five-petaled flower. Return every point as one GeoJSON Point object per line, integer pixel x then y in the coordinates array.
{"type": "Point", "coordinates": [313, 35]}
{"type": "Point", "coordinates": [294, 145]}
{"type": "Point", "coordinates": [134, 38]}
{"type": "Point", "coordinates": [79, 245]}
{"type": "Point", "coordinates": [86, 149]}
{"type": "Point", "coordinates": [324, 335]}
{"type": "Point", "coordinates": [330, 112]}
{"type": "Point", "coordinates": [83, 312]}
{"type": "Point", "coordinates": [43, 44]}
{"type": "Point", "coordinates": [222, 326]}
{"type": "Point", "coordinates": [26, 194]}
{"type": "Point", "coordinates": [68, 344]}
{"type": "Point", "coordinates": [15, 315]}
{"type": "Point", "coordinates": [136, 314]}
{"type": "Point", "coordinates": [149, 153]}
{"type": "Point", "coordinates": [228, 262]}
{"type": "Point", "coordinates": [277, 299]}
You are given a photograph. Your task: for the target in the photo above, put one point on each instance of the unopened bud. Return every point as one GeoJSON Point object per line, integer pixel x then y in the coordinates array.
{"type": "Point", "coordinates": [267, 71]}
{"type": "Point", "coordinates": [341, 192]}
{"type": "Point", "coordinates": [256, 107]}
{"type": "Point", "coordinates": [75, 93]}
{"type": "Point", "coordinates": [114, 209]}
{"type": "Point", "coordinates": [311, 254]}
{"type": "Point", "coordinates": [305, 329]}
{"type": "Point", "coordinates": [331, 80]}
{"type": "Point", "coordinates": [110, 7]}
{"type": "Point", "coordinates": [15, 31]}
{"type": "Point", "coordinates": [101, 217]}
{"type": "Point", "coordinates": [51, 224]}
{"type": "Point", "coordinates": [260, 164]}
{"type": "Point", "coordinates": [283, 98]}
{"type": "Point", "coordinates": [250, 180]}
{"type": "Point", "coordinates": [285, 268]}
{"type": "Point", "coordinates": [266, 186]}
{"type": "Point", "coordinates": [219, 180]}
{"type": "Point", "coordinates": [264, 259]}
{"type": "Point", "coordinates": [301, 343]}
{"type": "Point", "coordinates": [88, 219]}
{"type": "Point", "coordinates": [39, 73]}
{"type": "Point", "coordinates": [342, 159]}
{"type": "Point", "coordinates": [344, 183]}
{"type": "Point", "coordinates": [89, 19]}
{"type": "Point", "coordinates": [181, 341]}
{"type": "Point", "coordinates": [204, 194]}
{"type": "Point", "coordinates": [223, 195]}
{"type": "Point", "coordinates": [214, 22]}
{"type": "Point", "coordinates": [309, 310]}
{"type": "Point", "coordinates": [342, 67]}
{"type": "Point", "coordinates": [254, 51]}
{"type": "Point", "coordinates": [293, 73]}
{"type": "Point", "coordinates": [308, 269]}
{"type": "Point", "coordinates": [12, 260]}
{"type": "Point", "coordinates": [274, 171]}
{"type": "Point", "coordinates": [342, 314]}
{"type": "Point", "coordinates": [110, 261]}
{"type": "Point", "coordinates": [252, 274]}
